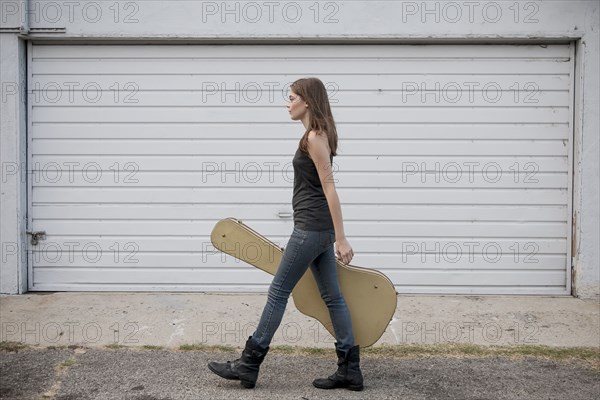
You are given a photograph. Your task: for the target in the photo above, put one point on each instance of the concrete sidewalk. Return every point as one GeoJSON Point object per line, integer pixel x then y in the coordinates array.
{"type": "Point", "coordinates": [96, 319]}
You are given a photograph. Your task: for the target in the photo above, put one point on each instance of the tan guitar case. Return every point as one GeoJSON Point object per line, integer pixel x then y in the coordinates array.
{"type": "Point", "coordinates": [370, 295]}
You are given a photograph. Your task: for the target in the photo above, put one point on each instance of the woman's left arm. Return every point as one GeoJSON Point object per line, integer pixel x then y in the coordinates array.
{"type": "Point", "coordinates": [318, 149]}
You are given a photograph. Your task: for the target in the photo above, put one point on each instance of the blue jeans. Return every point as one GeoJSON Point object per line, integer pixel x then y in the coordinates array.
{"type": "Point", "coordinates": [304, 249]}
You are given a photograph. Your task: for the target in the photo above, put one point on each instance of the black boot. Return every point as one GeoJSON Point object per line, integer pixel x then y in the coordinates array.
{"type": "Point", "coordinates": [244, 368]}
{"type": "Point", "coordinates": [348, 374]}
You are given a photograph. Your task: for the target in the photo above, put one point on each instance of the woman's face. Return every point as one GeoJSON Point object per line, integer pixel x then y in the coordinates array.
{"type": "Point", "coordinates": [296, 106]}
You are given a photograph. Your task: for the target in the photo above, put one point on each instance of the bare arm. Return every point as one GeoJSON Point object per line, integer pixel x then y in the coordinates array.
{"type": "Point", "coordinates": [318, 149]}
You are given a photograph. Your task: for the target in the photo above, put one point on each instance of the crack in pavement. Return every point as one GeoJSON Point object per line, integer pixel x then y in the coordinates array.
{"type": "Point", "coordinates": [61, 371]}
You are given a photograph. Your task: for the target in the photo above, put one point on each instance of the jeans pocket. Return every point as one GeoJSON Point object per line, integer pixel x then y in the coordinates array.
{"type": "Point", "coordinates": [294, 242]}
{"type": "Point", "coordinates": [326, 238]}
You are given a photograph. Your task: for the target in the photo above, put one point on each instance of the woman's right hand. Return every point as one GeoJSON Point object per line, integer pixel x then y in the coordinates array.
{"type": "Point", "coordinates": [344, 251]}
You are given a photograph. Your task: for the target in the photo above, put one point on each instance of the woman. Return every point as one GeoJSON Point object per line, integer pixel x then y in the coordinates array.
{"type": "Point", "coordinates": [317, 225]}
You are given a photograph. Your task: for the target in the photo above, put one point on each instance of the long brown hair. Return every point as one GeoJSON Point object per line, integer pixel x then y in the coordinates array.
{"type": "Point", "coordinates": [313, 92]}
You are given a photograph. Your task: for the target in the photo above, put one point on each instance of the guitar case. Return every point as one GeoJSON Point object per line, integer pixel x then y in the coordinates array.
{"type": "Point", "coordinates": [369, 294]}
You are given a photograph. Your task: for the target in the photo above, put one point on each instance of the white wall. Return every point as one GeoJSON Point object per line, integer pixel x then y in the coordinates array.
{"type": "Point", "coordinates": [13, 205]}
{"type": "Point", "coordinates": [339, 21]}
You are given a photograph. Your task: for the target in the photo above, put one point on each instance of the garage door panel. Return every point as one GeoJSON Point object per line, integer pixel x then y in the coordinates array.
{"type": "Point", "coordinates": [151, 228]}
{"type": "Point", "coordinates": [129, 195]}
{"type": "Point", "coordinates": [253, 276]}
{"type": "Point", "coordinates": [454, 177]}
{"type": "Point", "coordinates": [515, 278]}
{"type": "Point", "coordinates": [555, 52]}
{"type": "Point", "coordinates": [151, 287]}
{"type": "Point", "coordinates": [158, 278]}
{"type": "Point", "coordinates": [147, 276]}
{"type": "Point", "coordinates": [253, 176]}
{"type": "Point", "coordinates": [140, 149]}
{"type": "Point", "coordinates": [197, 248]}
{"type": "Point", "coordinates": [257, 212]}
{"type": "Point", "coordinates": [412, 95]}
{"type": "Point", "coordinates": [181, 147]}
{"type": "Point", "coordinates": [451, 262]}
{"type": "Point", "coordinates": [412, 250]}
{"type": "Point", "coordinates": [156, 162]}
{"type": "Point", "coordinates": [89, 257]}
{"type": "Point", "coordinates": [288, 131]}
{"type": "Point", "coordinates": [453, 212]}
{"type": "Point", "coordinates": [229, 162]}
{"type": "Point", "coordinates": [384, 147]}
{"type": "Point", "coordinates": [459, 229]}
{"type": "Point", "coordinates": [168, 212]}
{"type": "Point", "coordinates": [396, 228]}
{"type": "Point", "coordinates": [422, 248]}
{"type": "Point", "coordinates": [509, 290]}
{"type": "Point", "coordinates": [350, 65]}
{"type": "Point", "coordinates": [384, 80]}
{"type": "Point", "coordinates": [467, 163]}
{"type": "Point", "coordinates": [237, 114]}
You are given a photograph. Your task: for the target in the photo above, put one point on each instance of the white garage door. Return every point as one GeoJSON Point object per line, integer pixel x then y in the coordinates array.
{"type": "Point", "coordinates": [454, 164]}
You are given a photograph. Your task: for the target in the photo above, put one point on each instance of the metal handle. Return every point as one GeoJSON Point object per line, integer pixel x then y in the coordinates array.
{"type": "Point", "coordinates": [36, 236]}
{"type": "Point", "coordinates": [285, 214]}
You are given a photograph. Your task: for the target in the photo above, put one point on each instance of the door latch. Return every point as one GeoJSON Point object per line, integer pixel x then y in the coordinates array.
{"type": "Point", "coordinates": [37, 236]}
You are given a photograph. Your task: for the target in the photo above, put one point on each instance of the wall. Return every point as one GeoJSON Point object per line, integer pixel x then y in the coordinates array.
{"type": "Point", "coordinates": [13, 205]}
{"type": "Point", "coordinates": [312, 21]}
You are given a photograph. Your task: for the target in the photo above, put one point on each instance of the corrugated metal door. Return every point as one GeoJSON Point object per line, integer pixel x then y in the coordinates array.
{"type": "Point", "coordinates": [454, 169]}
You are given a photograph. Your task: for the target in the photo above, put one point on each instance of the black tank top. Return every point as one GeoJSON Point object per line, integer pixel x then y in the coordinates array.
{"type": "Point", "coordinates": [311, 211]}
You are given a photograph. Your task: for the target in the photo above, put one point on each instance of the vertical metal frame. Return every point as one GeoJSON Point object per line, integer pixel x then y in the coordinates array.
{"type": "Point", "coordinates": [571, 165]}
{"type": "Point", "coordinates": [29, 164]}
{"type": "Point", "coordinates": [577, 116]}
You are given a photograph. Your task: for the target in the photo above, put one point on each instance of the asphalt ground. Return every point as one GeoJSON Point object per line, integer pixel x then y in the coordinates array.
{"type": "Point", "coordinates": [141, 374]}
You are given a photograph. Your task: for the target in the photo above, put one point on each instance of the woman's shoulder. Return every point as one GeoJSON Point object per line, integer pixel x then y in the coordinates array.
{"type": "Point", "coordinates": [318, 139]}
{"type": "Point", "coordinates": [317, 136]}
